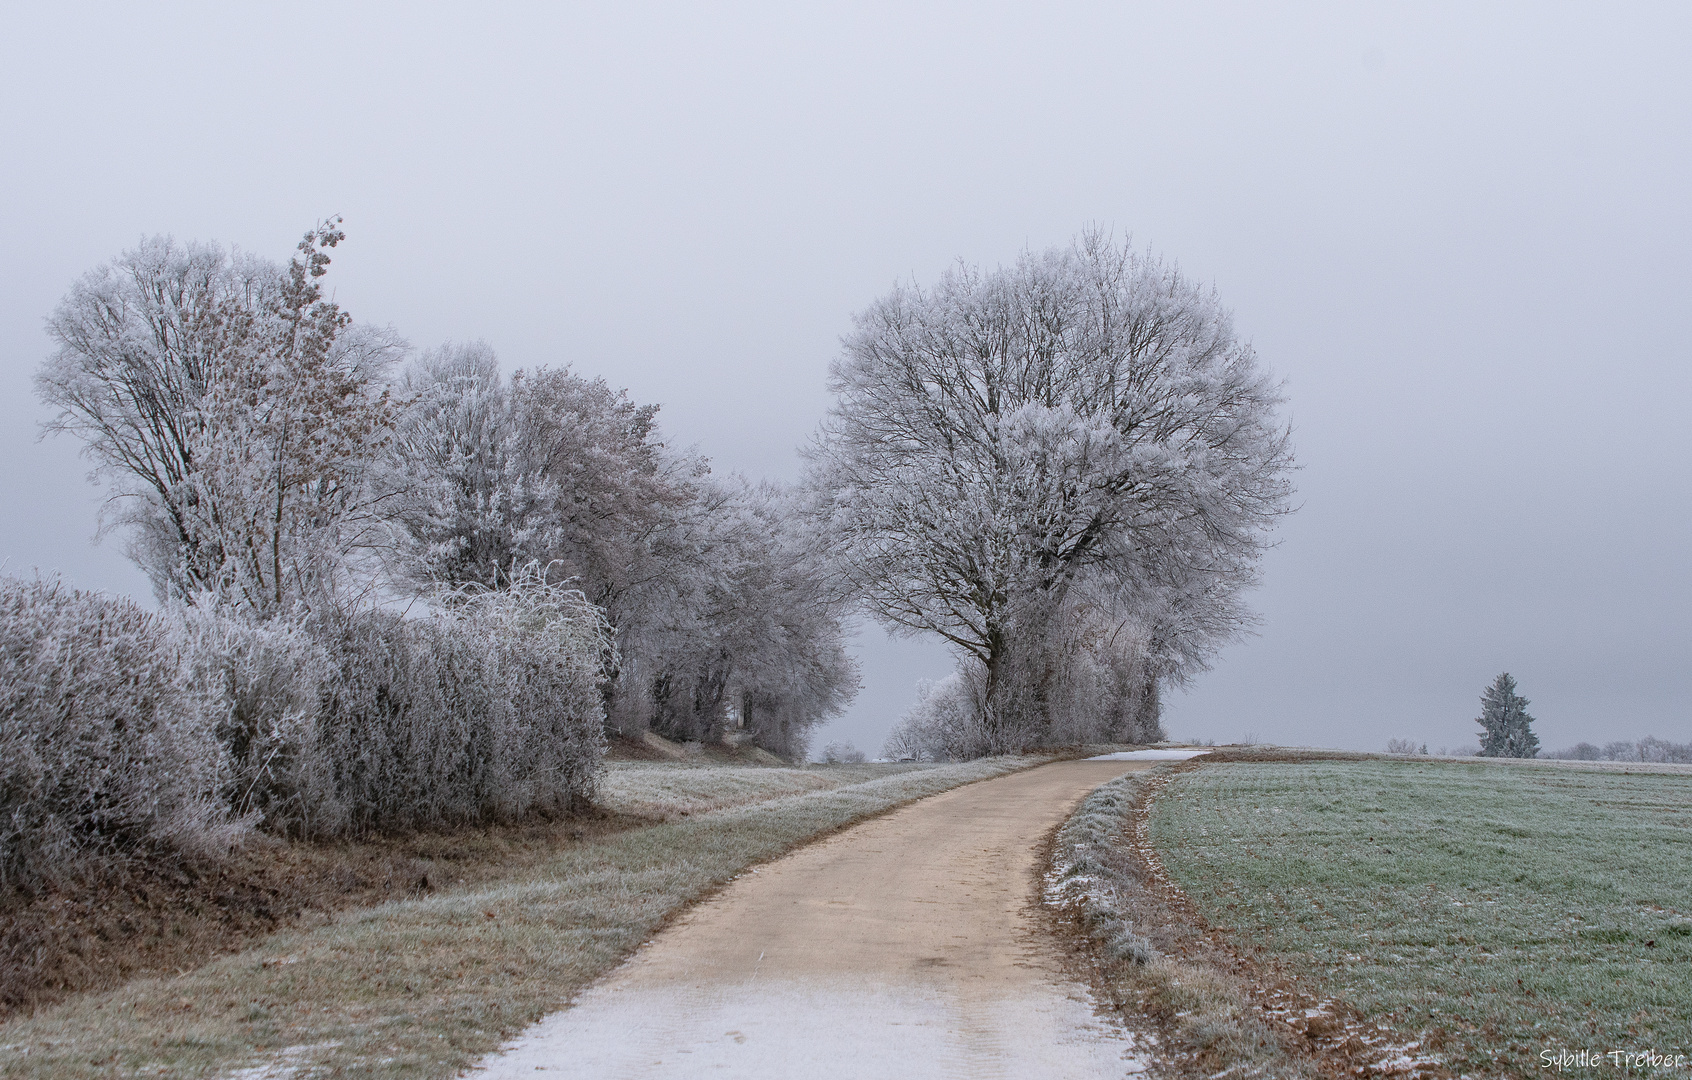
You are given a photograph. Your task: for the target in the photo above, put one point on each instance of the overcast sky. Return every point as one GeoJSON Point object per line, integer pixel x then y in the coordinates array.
{"type": "Point", "coordinates": [1461, 233]}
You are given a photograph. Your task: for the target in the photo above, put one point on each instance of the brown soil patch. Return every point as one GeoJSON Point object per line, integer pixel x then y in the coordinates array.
{"type": "Point", "coordinates": [112, 922]}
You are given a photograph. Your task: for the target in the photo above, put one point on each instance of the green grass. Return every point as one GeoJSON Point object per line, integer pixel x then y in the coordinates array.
{"type": "Point", "coordinates": [1209, 1025]}
{"type": "Point", "coordinates": [1503, 910]}
{"type": "Point", "coordinates": [421, 988]}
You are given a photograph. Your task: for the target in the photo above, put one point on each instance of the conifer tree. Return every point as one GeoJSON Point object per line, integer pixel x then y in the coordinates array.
{"type": "Point", "coordinates": [1506, 727]}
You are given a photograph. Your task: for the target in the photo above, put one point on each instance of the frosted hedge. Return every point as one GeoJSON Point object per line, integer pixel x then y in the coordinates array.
{"type": "Point", "coordinates": [127, 731]}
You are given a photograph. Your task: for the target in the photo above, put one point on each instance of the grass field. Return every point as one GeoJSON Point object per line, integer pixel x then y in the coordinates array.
{"type": "Point", "coordinates": [421, 987]}
{"type": "Point", "coordinates": [1502, 912]}
{"type": "Point", "coordinates": [1151, 967]}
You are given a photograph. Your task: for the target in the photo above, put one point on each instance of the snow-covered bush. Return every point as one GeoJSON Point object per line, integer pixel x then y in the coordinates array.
{"type": "Point", "coordinates": [943, 725]}
{"type": "Point", "coordinates": [550, 648]}
{"type": "Point", "coordinates": [483, 713]}
{"type": "Point", "coordinates": [106, 743]}
{"type": "Point", "coordinates": [268, 684]}
{"type": "Point", "coordinates": [407, 730]}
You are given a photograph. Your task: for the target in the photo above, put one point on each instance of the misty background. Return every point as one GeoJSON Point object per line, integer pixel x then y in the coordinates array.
{"type": "Point", "coordinates": [1461, 235]}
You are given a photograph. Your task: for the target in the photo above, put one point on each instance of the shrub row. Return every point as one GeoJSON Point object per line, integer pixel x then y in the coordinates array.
{"type": "Point", "coordinates": [123, 729]}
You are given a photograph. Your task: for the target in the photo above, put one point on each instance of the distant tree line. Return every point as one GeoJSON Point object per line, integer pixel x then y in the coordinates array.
{"type": "Point", "coordinates": [1507, 731]}
{"type": "Point", "coordinates": [1648, 749]}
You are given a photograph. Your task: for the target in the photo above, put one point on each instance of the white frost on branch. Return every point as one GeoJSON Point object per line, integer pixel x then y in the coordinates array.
{"type": "Point", "coordinates": [232, 411]}
{"type": "Point", "coordinates": [1081, 435]}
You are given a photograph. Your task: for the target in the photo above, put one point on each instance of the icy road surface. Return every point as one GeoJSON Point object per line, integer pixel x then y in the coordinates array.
{"type": "Point", "coordinates": [903, 947]}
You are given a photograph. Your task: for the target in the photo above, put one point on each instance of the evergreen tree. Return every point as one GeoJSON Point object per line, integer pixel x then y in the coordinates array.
{"type": "Point", "coordinates": [1506, 727]}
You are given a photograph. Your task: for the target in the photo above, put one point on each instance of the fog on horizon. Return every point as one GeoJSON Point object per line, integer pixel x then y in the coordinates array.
{"type": "Point", "coordinates": [1461, 235]}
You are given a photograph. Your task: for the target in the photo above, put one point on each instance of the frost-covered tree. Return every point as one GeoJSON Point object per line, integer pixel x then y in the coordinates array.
{"type": "Point", "coordinates": [749, 631]}
{"type": "Point", "coordinates": [1086, 419]}
{"type": "Point", "coordinates": [468, 507]}
{"type": "Point", "coordinates": [718, 604]}
{"type": "Point", "coordinates": [1506, 727]}
{"type": "Point", "coordinates": [550, 467]}
{"type": "Point", "coordinates": [232, 411]}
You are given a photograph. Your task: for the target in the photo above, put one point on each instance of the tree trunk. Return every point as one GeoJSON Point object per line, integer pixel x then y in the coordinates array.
{"type": "Point", "coordinates": [1148, 712]}
{"type": "Point", "coordinates": [992, 698]}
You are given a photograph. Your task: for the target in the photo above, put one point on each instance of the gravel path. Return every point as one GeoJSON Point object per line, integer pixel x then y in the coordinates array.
{"type": "Point", "coordinates": [903, 947]}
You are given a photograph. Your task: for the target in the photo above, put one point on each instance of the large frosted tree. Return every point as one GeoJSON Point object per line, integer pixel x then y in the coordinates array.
{"type": "Point", "coordinates": [232, 411]}
{"type": "Point", "coordinates": [1081, 428]}
{"type": "Point", "coordinates": [1506, 727]}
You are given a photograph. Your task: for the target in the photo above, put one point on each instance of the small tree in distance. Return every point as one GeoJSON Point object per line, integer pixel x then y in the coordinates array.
{"type": "Point", "coordinates": [1506, 727]}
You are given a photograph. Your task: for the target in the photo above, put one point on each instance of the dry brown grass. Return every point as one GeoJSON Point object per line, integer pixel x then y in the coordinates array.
{"type": "Point", "coordinates": [118, 920]}
{"type": "Point", "coordinates": [424, 985]}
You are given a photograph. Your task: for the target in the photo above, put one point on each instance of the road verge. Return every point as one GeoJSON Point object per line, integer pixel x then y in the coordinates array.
{"type": "Point", "coordinates": [422, 987]}
{"type": "Point", "coordinates": [1210, 1009]}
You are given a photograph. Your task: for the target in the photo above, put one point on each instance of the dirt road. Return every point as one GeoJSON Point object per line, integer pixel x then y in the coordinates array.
{"type": "Point", "coordinates": [903, 947]}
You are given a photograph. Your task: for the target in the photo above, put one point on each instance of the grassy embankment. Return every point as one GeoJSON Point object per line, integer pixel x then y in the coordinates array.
{"type": "Point", "coordinates": [1147, 961]}
{"type": "Point", "coordinates": [1496, 911]}
{"type": "Point", "coordinates": [422, 987]}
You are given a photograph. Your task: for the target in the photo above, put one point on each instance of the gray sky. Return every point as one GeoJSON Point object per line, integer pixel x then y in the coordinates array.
{"type": "Point", "coordinates": [1460, 232]}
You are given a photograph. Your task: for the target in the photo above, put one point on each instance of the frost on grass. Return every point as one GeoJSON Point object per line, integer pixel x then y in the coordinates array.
{"type": "Point", "coordinates": [1492, 910]}
{"type": "Point", "coordinates": [1205, 1020]}
{"type": "Point", "coordinates": [1082, 877]}
{"type": "Point", "coordinates": [1154, 963]}
{"type": "Point", "coordinates": [285, 1064]}
{"type": "Point", "coordinates": [666, 790]}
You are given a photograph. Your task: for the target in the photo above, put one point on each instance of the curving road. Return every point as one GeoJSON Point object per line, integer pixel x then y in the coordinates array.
{"type": "Point", "coordinates": [903, 947]}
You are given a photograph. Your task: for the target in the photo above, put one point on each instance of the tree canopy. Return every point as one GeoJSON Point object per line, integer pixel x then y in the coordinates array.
{"type": "Point", "coordinates": [1079, 434]}
{"type": "Point", "coordinates": [233, 412]}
